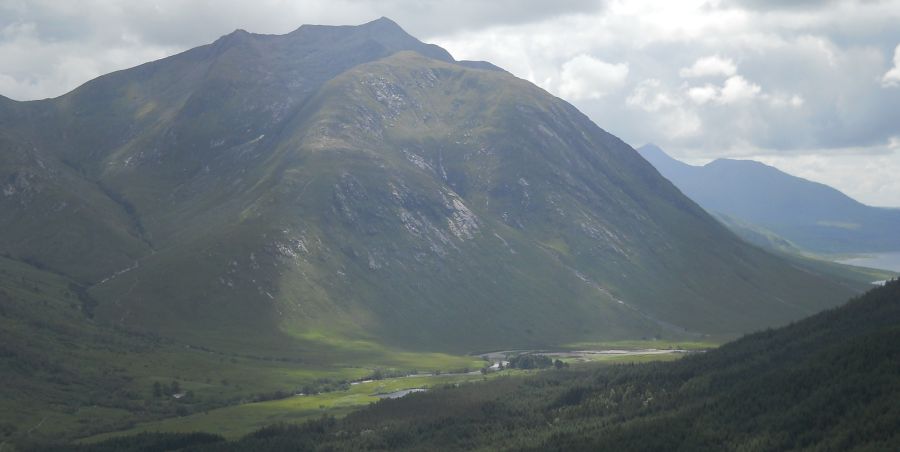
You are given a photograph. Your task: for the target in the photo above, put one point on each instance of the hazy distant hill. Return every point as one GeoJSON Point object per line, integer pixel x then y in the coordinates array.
{"type": "Point", "coordinates": [808, 214]}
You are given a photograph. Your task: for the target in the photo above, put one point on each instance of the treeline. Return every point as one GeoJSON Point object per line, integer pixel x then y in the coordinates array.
{"type": "Point", "coordinates": [535, 361]}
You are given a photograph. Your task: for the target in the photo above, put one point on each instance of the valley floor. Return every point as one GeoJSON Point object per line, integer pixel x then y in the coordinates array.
{"type": "Point", "coordinates": [238, 420]}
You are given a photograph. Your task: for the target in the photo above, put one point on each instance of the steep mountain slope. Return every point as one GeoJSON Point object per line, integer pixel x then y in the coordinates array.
{"type": "Point", "coordinates": [351, 184]}
{"type": "Point", "coordinates": [830, 382]}
{"type": "Point", "coordinates": [814, 216]}
{"type": "Point", "coordinates": [50, 214]}
{"type": "Point", "coordinates": [224, 94]}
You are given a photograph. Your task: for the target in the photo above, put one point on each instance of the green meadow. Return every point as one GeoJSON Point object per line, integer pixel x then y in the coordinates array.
{"type": "Point", "coordinates": [236, 421]}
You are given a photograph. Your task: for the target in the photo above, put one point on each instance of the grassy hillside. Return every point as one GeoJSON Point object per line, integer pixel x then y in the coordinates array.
{"type": "Point", "coordinates": [283, 195]}
{"type": "Point", "coordinates": [408, 198]}
{"type": "Point", "coordinates": [67, 375]}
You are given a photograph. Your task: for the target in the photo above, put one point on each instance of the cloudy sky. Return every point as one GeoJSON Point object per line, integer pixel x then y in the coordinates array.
{"type": "Point", "coordinates": [812, 87]}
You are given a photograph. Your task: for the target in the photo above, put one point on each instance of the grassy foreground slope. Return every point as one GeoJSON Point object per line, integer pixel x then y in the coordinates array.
{"type": "Point", "coordinates": [67, 375]}
{"type": "Point", "coordinates": [830, 382]}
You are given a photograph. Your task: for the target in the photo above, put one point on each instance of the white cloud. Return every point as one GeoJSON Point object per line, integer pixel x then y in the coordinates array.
{"type": "Point", "coordinates": [710, 66]}
{"type": "Point", "coordinates": [800, 84]}
{"type": "Point", "coordinates": [586, 77]}
{"type": "Point", "coordinates": [782, 101]}
{"type": "Point", "coordinates": [703, 94]}
{"type": "Point", "coordinates": [681, 123]}
{"type": "Point", "coordinates": [650, 96]}
{"type": "Point", "coordinates": [737, 89]}
{"type": "Point", "coordinates": [892, 77]}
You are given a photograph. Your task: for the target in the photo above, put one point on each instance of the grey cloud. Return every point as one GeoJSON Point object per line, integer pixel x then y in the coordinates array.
{"type": "Point", "coordinates": [49, 46]}
{"type": "Point", "coordinates": [769, 5]}
{"type": "Point", "coordinates": [174, 22]}
{"type": "Point", "coordinates": [819, 66]}
{"type": "Point", "coordinates": [819, 73]}
{"type": "Point", "coordinates": [435, 17]}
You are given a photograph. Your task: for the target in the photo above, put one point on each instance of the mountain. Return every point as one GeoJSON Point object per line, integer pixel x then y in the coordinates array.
{"type": "Point", "coordinates": [264, 213]}
{"type": "Point", "coordinates": [830, 382]}
{"type": "Point", "coordinates": [336, 186]}
{"type": "Point", "coordinates": [810, 215]}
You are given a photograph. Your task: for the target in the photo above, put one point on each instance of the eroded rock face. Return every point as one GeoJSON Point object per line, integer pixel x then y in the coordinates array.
{"type": "Point", "coordinates": [461, 221]}
{"type": "Point", "coordinates": [21, 185]}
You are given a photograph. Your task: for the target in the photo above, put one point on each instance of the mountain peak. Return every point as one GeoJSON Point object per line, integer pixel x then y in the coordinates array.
{"type": "Point", "coordinates": [236, 36]}
{"type": "Point", "coordinates": [383, 28]}
{"type": "Point", "coordinates": [655, 155]}
{"type": "Point", "coordinates": [382, 25]}
{"type": "Point", "coordinates": [383, 31]}
{"type": "Point", "coordinates": [651, 148]}
{"type": "Point", "coordinates": [382, 22]}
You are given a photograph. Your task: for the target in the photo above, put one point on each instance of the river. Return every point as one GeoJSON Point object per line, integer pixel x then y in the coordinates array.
{"type": "Point", "coordinates": [401, 393]}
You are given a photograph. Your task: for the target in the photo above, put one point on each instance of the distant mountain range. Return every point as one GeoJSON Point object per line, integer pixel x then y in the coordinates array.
{"type": "Point", "coordinates": [771, 207]}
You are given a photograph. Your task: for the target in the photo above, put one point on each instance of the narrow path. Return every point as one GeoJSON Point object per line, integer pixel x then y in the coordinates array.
{"type": "Point", "coordinates": [27, 433]}
{"type": "Point", "coordinates": [39, 424]}
{"type": "Point", "coordinates": [133, 266]}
